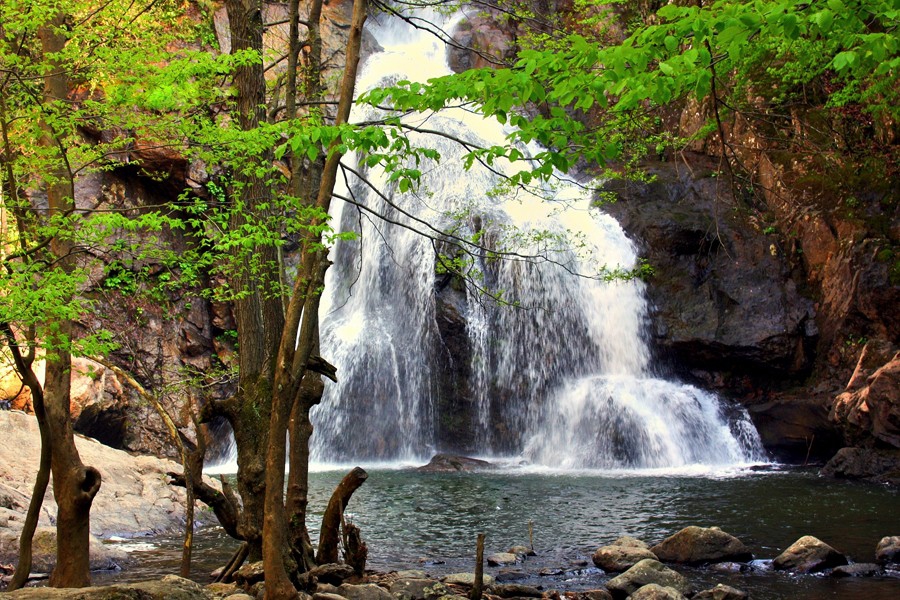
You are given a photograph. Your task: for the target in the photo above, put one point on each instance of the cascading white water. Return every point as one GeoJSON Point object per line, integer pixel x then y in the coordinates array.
{"type": "Point", "coordinates": [563, 379]}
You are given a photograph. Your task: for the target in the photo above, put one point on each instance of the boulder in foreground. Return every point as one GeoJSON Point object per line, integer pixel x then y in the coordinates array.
{"type": "Point", "coordinates": [808, 555]}
{"type": "Point", "coordinates": [702, 545]}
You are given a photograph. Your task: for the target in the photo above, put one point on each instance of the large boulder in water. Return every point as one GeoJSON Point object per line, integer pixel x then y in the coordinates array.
{"type": "Point", "coordinates": [808, 555]}
{"type": "Point", "coordinates": [448, 463]}
{"type": "Point", "coordinates": [702, 545]}
{"type": "Point", "coordinates": [645, 572]}
{"type": "Point", "coordinates": [878, 465]}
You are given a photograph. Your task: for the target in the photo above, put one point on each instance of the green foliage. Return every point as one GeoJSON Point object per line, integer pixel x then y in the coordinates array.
{"type": "Point", "coordinates": [737, 46]}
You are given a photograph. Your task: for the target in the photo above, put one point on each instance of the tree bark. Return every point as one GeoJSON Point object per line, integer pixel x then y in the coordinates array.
{"type": "Point", "coordinates": [258, 311]}
{"type": "Point", "coordinates": [74, 484]}
{"type": "Point", "coordinates": [334, 515]}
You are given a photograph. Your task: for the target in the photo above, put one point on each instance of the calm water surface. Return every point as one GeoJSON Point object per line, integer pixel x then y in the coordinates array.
{"type": "Point", "coordinates": [430, 520]}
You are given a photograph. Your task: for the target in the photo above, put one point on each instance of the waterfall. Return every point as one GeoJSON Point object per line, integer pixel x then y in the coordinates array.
{"type": "Point", "coordinates": [560, 376]}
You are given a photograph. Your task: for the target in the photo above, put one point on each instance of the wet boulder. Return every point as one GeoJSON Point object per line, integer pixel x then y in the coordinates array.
{"type": "Point", "coordinates": [722, 592]}
{"type": "Point", "coordinates": [808, 555]}
{"type": "Point", "coordinates": [654, 591]}
{"type": "Point", "coordinates": [617, 558]}
{"type": "Point", "coordinates": [888, 550]}
{"type": "Point", "coordinates": [645, 572]}
{"type": "Point", "coordinates": [448, 463]}
{"type": "Point", "coordinates": [701, 545]}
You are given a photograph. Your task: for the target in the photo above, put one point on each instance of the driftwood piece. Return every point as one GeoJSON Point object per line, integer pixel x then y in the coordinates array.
{"type": "Point", "coordinates": [329, 535]}
{"type": "Point", "coordinates": [478, 585]}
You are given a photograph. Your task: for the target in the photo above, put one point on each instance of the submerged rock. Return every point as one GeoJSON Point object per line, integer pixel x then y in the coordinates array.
{"type": "Point", "coordinates": [808, 555]}
{"type": "Point", "coordinates": [645, 572]}
{"type": "Point", "coordinates": [722, 592]}
{"type": "Point", "coordinates": [653, 591]}
{"type": "Point", "coordinates": [449, 463]}
{"type": "Point", "coordinates": [701, 545]}
{"type": "Point", "coordinates": [888, 550]}
{"type": "Point", "coordinates": [857, 570]}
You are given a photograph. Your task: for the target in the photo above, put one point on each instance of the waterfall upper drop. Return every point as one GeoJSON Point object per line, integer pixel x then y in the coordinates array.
{"type": "Point", "coordinates": [426, 362]}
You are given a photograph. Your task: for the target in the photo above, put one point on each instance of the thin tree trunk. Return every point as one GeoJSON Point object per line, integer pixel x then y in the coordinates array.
{"type": "Point", "coordinates": [23, 366]}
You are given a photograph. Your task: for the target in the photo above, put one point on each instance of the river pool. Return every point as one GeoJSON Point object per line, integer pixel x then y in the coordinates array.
{"type": "Point", "coordinates": [430, 521]}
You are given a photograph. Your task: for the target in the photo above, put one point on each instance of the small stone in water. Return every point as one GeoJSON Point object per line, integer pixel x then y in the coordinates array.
{"type": "Point", "coordinates": [511, 575]}
{"type": "Point", "coordinates": [551, 571]}
{"type": "Point", "coordinates": [501, 558]}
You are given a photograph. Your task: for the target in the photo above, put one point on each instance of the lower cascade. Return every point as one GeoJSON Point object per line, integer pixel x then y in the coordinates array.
{"type": "Point", "coordinates": [557, 374]}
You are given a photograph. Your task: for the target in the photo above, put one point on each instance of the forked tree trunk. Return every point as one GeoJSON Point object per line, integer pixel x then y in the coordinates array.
{"type": "Point", "coordinates": [298, 341]}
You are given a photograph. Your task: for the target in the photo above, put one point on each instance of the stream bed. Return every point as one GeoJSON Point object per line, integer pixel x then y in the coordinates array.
{"type": "Point", "coordinates": [430, 521]}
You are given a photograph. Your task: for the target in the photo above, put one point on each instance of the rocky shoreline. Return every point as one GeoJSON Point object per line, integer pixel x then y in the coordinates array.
{"type": "Point", "coordinates": [637, 572]}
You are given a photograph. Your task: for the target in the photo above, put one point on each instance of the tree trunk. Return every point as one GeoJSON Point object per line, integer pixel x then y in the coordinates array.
{"type": "Point", "coordinates": [301, 431]}
{"type": "Point", "coordinates": [74, 484]}
{"type": "Point", "coordinates": [23, 365]}
{"type": "Point", "coordinates": [334, 515]}
{"type": "Point", "coordinates": [298, 341]}
{"type": "Point", "coordinates": [258, 311]}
